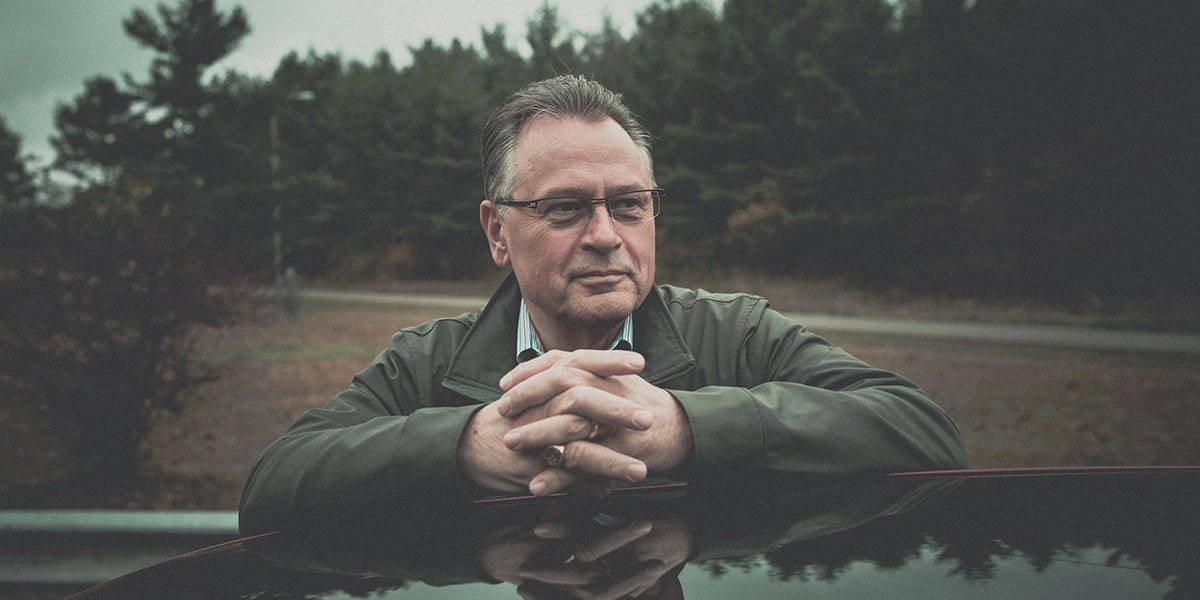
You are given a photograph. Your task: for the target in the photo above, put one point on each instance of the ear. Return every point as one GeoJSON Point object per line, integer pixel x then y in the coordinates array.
{"type": "Point", "coordinates": [493, 227]}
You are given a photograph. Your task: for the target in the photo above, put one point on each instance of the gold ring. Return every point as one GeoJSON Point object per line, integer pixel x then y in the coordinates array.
{"type": "Point", "coordinates": [553, 455]}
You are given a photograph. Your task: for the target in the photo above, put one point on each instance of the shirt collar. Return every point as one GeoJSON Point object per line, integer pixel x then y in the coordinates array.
{"type": "Point", "coordinates": [529, 344]}
{"type": "Point", "coordinates": [484, 354]}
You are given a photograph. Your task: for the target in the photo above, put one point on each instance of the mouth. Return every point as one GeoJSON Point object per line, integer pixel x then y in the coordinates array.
{"type": "Point", "coordinates": [600, 276]}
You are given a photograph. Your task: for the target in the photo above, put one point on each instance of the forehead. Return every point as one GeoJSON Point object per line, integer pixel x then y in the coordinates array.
{"type": "Point", "coordinates": [572, 155]}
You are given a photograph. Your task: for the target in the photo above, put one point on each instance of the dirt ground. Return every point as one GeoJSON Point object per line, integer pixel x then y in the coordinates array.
{"type": "Point", "coordinates": [1015, 406]}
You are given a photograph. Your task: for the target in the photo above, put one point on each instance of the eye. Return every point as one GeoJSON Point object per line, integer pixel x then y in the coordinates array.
{"type": "Point", "coordinates": [564, 207]}
{"type": "Point", "coordinates": [627, 203]}
{"type": "Point", "coordinates": [559, 205]}
{"type": "Point", "coordinates": [630, 206]}
{"type": "Point", "coordinates": [561, 210]}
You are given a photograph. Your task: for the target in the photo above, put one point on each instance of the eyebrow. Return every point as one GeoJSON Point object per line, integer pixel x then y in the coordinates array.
{"type": "Point", "coordinates": [574, 192]}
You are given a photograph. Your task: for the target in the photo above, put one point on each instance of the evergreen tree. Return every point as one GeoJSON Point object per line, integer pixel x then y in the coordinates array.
{"type": "Point", "coordinates": [101, 295]}
{"type": "Point", "coordinates": [17, 187]}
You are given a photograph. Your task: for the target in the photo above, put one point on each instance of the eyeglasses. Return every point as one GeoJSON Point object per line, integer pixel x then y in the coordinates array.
{"type": "Point", "coordinates": [571, 211]}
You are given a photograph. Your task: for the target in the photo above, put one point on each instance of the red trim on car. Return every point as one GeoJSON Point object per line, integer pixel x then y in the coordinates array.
{"type": "Point", "coordinates": [1046, 471]}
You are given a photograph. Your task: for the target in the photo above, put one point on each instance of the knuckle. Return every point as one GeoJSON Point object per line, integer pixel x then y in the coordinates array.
{"type": "Point", "coordinates": [585, 457]}
{"type": "Point", "coordinates": [562, 374]}
{"type": "Point", "coordinates": [616, 464]}
{"type": "Point", "coordinates": [603, 430]}
{"type": "Point", "coordinates": [630, 409]}
{"type": "Point", "coordinates": [572, 456]}
{"type": "Point", "coordinates": [580, 396]}
{"type": "Point", "coordinates": [581, 426]}
{"type": "Point", "coordinates": [566, 402]}
{"type": "Point", "coordinates": [573, 377]}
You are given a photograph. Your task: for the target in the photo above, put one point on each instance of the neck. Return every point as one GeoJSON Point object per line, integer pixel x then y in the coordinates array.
{"type": "Point", "coordinates": [600, 336]}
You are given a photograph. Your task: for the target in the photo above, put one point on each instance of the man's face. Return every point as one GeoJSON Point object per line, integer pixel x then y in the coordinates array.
{"type": "Point", "coordinates": [587, 276]}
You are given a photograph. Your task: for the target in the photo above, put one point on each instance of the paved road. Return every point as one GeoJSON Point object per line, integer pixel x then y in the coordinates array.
{"type": "Point", "coordinates": [1028, 335]}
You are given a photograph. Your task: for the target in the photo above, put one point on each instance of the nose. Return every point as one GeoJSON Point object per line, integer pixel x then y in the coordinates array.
{"type": "Point", "coordinates": [600, 233]}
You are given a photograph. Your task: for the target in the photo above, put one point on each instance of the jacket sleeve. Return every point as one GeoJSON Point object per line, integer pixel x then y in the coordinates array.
{"type": "Point", "coordinates": [370, 447]}
{"type": "Point", "coordinates": [801, 405]}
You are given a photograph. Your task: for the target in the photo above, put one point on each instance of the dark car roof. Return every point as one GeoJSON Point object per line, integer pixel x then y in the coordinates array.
{"type": "Point", "coordinates": [1061, 533]}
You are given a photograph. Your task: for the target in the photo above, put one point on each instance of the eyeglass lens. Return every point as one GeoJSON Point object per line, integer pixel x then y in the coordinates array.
{"type": "Point", "coordinates": [630, 207]}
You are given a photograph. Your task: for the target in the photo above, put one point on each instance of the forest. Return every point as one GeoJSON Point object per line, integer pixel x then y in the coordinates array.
{"type": "Point", "coordinates": [1003, 148]}
{"type": "Point", "coordinates": [995, 147]}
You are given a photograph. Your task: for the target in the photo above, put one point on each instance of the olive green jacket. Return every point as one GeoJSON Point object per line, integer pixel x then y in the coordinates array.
{"type": "Point", "coordinates": [762, 394]}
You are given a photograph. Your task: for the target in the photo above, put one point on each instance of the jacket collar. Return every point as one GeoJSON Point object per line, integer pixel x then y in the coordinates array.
{"type": "Point", "coordinates": [485, 354]}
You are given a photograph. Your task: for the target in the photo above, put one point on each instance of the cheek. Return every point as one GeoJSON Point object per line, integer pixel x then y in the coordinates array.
{"type": "Point", "coordinates": [646, 256]}
{"type": "Point", "coordinates": [536, 255]}
{"type": "Point", "coordinates": [641, 244]}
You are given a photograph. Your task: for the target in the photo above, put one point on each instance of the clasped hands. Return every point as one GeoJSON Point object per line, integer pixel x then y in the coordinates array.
{"type": "Point", "coordinates": [557, 559]}
{"type": "Point", "coordinates": [611, 424]}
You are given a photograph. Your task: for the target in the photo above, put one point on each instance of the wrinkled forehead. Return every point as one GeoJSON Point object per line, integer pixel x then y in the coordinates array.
{"type": "Point", "coordinates": [558, 153]}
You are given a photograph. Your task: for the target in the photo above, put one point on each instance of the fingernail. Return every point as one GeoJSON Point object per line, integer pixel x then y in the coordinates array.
{"type": "Point", "coordinates": [636, 361]}
{"type": "Point", "coordinates": [504, 381]}
{"type": "Point", "coordinates": [636, 472]}
{"type": "Point", "coordinates": [504, 405]}
{"type": "Point", "coordinates": [512, 439]}
{"type": "Point", "coordinates": [642, 527]}
{"type": "Point", "coordinates": [537, 488]}
{"type": "Point", "coordinates": [643, 419]}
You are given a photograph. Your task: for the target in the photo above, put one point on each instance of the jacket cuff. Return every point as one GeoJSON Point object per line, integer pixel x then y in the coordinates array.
{"type": "Point", "coordinates": [428, 461]}
{"type": "Point", "coordinates": [727, 432]}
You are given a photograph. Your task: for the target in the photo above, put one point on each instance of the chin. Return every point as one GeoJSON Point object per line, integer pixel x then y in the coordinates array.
{"type": "Point", "coordinates": [609, 307]}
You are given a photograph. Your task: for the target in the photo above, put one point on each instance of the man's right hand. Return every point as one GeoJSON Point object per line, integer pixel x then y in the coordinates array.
{"type": "Point", "coordinates": [485, 460]}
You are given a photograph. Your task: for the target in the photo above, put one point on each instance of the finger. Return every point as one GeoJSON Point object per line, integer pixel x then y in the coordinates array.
{"type": "Point", "coordinates": [559, 429]}
{"type": "Point", "coordinates": [569, 373]}
{"type": "Point", "coordinates": [573, 573]}
{"type": "Point", "coordinates": [552, 480]}
{"type": "Point", "coordinates": [589, 459]}
{"type": "Point", "coordinates": [532, 367]}
{"type": "Point", "coordinates": [600, 405]}
{"type": "Point", "coordinates": [556, 392]}
{"type": "Point", "coordinates": [594, 417]}
{"type": "Point", "coordinates": [601, 362]}
{"type": "Point", "coordinates": [551, 530]}
{"type": "Point", "coordinates": [613, 541]}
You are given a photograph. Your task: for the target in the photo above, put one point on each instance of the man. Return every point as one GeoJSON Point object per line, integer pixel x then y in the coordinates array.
{"type": "Point", "coordinates": [580, 370]}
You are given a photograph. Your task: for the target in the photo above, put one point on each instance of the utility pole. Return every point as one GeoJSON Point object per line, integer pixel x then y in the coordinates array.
{"type": "Point", "coordinates": [276, 191]}
{"type": "Point", "coordinates": [277, 184]}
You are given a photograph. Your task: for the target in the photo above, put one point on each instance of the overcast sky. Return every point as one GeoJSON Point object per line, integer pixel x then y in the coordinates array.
{"type": "Point", "coordinates": [49, 47]}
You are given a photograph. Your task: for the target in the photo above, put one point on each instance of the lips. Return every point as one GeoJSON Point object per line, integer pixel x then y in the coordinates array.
{"type": "Point", "coordinates": [600, 274]}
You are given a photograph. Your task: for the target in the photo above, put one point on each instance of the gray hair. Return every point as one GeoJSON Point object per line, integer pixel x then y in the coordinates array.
{"type": "Point", "coordinates": [562, 97]}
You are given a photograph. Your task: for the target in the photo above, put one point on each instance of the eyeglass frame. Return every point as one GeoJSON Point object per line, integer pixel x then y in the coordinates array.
{"type": "Point", "coordinates": [655, 201]}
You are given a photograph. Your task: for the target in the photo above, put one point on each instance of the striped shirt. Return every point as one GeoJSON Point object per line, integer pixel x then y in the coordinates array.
{"type": "Point", "coordinates": [529, 345]}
